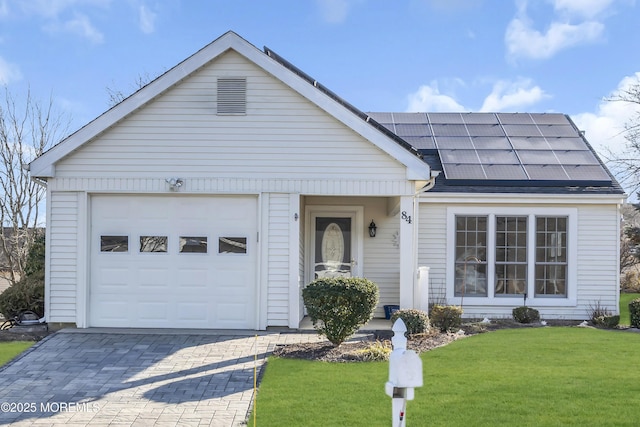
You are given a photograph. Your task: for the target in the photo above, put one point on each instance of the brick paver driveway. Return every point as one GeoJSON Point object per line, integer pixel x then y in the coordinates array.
{"type": "Point", "coordinates": [146, 378]}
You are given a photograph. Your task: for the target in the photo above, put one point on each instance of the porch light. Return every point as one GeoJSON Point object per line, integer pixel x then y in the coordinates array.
{"type": "Point", "coordinates": [372, 229]}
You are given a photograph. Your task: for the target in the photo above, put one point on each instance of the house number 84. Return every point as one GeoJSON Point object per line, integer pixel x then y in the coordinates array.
{"type": "Point", "coordinates": [406, 217]}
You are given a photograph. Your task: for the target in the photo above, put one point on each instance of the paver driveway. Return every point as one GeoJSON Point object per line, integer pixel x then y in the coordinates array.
{"type": "Point", "coordinates": [146, 378]}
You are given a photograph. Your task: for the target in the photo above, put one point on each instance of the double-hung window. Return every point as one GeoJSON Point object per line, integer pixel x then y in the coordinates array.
{"type": "Point", "coordinates": [513, 253]}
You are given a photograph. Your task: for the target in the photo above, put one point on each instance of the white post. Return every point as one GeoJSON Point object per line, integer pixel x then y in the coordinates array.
{"type": "Point", "coordinates": [423, 289]}
{"type": "Point", "coordinates": [405, 373]}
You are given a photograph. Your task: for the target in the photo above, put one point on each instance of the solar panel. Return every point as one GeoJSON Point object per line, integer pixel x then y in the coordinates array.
{"type": "Point", "coordinates": [549, 119]}
{"type": "Point", "coordinates": [449, 142]}
{"type": "Point", "coordinates": [499, 157]}
{"type": "Point", "coordinates": [410, 118]}
{"type": "Point", "coordinates": [576, 157]}
{"type": "Point", "coordinates": [447, 118]}
{"type": "Point", "coordinates": [546, 172]}
{"type": "Point", "coordinates": [537, 157]}
{"type": "Point", "coordinates": [557, 130]}
{"type": "Point", "coordinates": [501, 146]}
{"type": "Point", "coordinates": [502, 172]}
{"type": "Point", "coordinates": [490, 143]}
{"type": "Point", "coordinates": [485, 130]}
{"type": "Point", "coordinates": [480, 118]}
{"type": "Point", "coordinates": [449, 130]}
{"type": "Point", "coordinates": [463, 171]}
{"type": "Point", "coordinates": [413, 129]}
{"type": "Point", "coordinates": [459, 156]}
{"type": "Point", "coordinates": [522, 130]}
{"type": "Point", "coordinates": [515, 118]}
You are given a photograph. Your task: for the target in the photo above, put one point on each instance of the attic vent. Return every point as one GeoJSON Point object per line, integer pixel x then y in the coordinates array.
{"type": "Point", "coordinates": [232, 95]}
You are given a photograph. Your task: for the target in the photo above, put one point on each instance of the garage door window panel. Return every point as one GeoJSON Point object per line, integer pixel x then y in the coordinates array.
{"type": "Point", "coordinates": [232, 245]}
{"type": "Point", "coordinates": [114, 243]}
{"type": "Point", "coordinates": [157, 244]}
{"type": "Point", "coordinates": [193, 244]}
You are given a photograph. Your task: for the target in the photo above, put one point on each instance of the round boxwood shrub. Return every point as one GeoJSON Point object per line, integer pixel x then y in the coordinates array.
{"type": "Point", "coordinates": [416, 321]}
{"type": "Point", "coordinates": [339, 306]}
{"type": "Point", "coordinates": [446, 317]}
{"type": "Point", "coordinates": [634, 312]}
{"type": "Point", "coordinates": [525, 314]}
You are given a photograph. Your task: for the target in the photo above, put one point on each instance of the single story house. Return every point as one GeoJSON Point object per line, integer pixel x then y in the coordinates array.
{"type": "Point", "coordinates": [211, 196]}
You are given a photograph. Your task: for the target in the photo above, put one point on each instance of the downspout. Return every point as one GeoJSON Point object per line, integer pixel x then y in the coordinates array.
{"type": "Point", "coordinates": [416, 229]}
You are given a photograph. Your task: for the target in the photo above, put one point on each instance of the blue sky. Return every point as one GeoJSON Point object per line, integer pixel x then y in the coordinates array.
{"type": "Point", "coordinates": [414, 55]}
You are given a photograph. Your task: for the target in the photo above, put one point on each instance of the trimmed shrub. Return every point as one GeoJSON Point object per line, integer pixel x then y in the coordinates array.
{"type": "Point", "coordinates": [339, 306]}
{"type": "Point", "coordinates": [446, 317]}
{"type": "Point", "coordinates": [525, 314]}
{"type": "Point", "coordinates": [634, 312]}
{"type": "Point", "coordinates": [416, 321]}
{"type": "Point", "coordinates": [28, 293]}
{"type": "Point", "coordinates": [377, 351]}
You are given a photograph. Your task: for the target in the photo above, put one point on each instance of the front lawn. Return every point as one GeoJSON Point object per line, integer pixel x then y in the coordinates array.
{"type": "Point", "coordinates": [625, 299]}
{"type": "Point", "coordinates": [537, 376]}
{"type": "Point", "coordinates": [9, 350]}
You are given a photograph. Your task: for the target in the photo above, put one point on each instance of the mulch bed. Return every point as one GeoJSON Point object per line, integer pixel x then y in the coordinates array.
{"type": "Point", "coordinates": [350, 351]}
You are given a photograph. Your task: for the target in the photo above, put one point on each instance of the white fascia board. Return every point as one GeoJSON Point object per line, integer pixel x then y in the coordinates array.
{"type": "Point", "coordinates": [522, 198]}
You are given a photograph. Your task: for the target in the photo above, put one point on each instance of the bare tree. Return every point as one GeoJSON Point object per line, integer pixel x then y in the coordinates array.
{"type": "Point", "coordinates": [116, 96]}
{"type": "Point", "coordinates": [27, 129]}
{"type": "Point", "coordinates": [627, 165]}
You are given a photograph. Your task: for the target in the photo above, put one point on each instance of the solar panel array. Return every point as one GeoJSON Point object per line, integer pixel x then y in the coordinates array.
{"type": "Point", "coordinates": [500, 146]}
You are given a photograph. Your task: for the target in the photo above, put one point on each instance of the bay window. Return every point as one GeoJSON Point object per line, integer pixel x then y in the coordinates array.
{"type": "Point", "coordinates": [512, 254]}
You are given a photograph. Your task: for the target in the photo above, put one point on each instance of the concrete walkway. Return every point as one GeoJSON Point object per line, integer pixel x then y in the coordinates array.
{"type": "Point", "coordinates": [137, 378]}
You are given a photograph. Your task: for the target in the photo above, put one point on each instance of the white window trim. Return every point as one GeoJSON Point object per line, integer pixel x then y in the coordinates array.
{"type": "Point", "coordinates": [531, 213]}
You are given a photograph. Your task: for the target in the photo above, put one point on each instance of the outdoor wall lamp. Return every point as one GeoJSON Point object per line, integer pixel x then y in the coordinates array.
{"type": "Point", "coordinates": [372, 229]}
{"type": "Point", "coordinates": [174, 183]}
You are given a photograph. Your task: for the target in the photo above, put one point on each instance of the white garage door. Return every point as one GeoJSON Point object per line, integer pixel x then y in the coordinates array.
{"type": "Point", "coordinates": [173, 262]}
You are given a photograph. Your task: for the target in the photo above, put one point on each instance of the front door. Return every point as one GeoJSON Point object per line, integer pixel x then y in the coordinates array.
{"type": "Point", "coordinates": [335, 243]}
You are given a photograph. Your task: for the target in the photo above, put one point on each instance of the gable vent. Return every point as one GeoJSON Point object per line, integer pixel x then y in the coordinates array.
{"type": "Point", "coordinates": [232, 95]}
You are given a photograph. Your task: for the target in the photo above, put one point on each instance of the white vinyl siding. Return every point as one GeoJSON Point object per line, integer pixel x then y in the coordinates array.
{"type": "Point", "coordinates": [594, 269]}
{"type": "Point", "coordinates": [63, 256]}
{"type": "Point", "coordinates": [278, 260]}
{"type": "Point", "coordinates": [282, 136]}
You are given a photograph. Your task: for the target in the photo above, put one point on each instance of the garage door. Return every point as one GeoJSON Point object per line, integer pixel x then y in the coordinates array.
{"type": "Point", "coordinates": [173, 262]}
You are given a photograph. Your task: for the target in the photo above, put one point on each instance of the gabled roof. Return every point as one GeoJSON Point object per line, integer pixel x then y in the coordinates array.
{"type": "Point", "coordinates": [504, 152]}
{"type": "Point", "coordinates": [44, 166]}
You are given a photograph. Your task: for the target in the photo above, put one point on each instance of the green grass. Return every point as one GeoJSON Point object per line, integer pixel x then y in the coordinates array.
{"type": "Point", "coordinates": [524, 377]}
{"type": "Point", "coordinates": [624, 307]}
{"type": "Point", "coordinates": [9, 350]}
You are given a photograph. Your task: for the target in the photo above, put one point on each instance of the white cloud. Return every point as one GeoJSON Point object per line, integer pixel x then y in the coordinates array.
{"type": "Point", "coordinates": [604, 129]}
{"type": "Point", "coordinates": [429, 98]}
{"type": "Point", "coordinates": [147, 20]}
{"type": "Point", "coordinates": [512, 96]}
{"type": "Point", "coordinates": [523, 40]}
{"type": "Point", "coordinates": [335, 11]}
{"type": "Point", "coordinates": [8, 72]}
{"type": "Point", "coordinates": [79, 25]}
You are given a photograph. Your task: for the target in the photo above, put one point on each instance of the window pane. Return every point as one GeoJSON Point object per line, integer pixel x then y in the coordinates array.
{"type": "Point", "coordinates": [232, 245]}
{"type": "Point", "coordinates": [114, 243]}
{"type": "Point", "coordinates": [511, 255]}
{"type": "Point", "coordinates": [153, 243]}
{"type": "Point", "coordinates": [471, 250]}
{"type": "Point", "coordinates": [551, 256]}
{"type": "Point", "coordinates": [193, 244]}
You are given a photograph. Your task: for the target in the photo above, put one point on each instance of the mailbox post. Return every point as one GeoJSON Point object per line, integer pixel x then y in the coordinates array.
{"type": "Point", "coordinates": [405, 373]}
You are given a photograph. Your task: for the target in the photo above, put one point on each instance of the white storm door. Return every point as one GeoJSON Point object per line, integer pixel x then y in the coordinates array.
{"type": "Point", "coordinates": [335, 243]}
